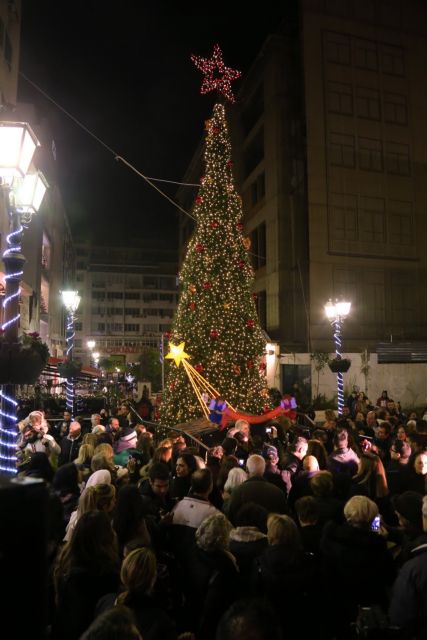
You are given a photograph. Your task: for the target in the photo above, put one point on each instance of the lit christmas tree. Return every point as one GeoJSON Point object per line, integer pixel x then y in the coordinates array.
{"type": "Point", "coordinates": [216, 316]}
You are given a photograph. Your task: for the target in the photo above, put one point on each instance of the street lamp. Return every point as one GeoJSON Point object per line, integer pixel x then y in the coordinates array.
{"type": "Point", "coordinates": [23, 194]}
{"type": "Point", "coordinates": [337, 312]}
{"type": "Point", "coordinates": [91, 346]}
{"type": "Point", "coordinates": [71, 301]}
{"type": "Point", "coordinates": [96, 355]}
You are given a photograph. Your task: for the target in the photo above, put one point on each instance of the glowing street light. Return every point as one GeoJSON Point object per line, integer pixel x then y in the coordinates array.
{"type": "Point", "coordinates": [23, 194]}
{"type": "Point", "coordinates": [337, 312]}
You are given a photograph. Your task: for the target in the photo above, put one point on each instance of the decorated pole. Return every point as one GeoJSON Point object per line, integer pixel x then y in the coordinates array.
{"type": "Point", "coordinates": [71, 300]}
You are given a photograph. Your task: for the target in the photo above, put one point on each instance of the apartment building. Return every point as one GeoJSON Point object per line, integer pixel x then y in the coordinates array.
{"type": "Point", "coordinates": [129, 297]}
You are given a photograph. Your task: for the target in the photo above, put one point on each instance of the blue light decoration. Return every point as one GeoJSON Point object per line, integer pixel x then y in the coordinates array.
{"type": "Point", "coordinates": [340, 379]}
{"type": "Point", "coordinates": [71, 300]}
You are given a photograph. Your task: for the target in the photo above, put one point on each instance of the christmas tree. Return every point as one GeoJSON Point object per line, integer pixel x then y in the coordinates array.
{"type": "Point", "coordinates": [216, 316]}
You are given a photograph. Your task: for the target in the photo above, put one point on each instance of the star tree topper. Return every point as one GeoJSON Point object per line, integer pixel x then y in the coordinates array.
{"type": "Point", "coordinates": [222, 81]}
{"type": "Point", "coordinates": [177, 353]}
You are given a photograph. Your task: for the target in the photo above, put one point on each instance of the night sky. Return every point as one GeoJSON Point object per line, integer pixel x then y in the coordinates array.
{"type": "Point", "coordinates": [124, 71]}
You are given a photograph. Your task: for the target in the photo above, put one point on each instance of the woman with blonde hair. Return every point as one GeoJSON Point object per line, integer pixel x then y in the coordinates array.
{"type": "Point", "coordinates": [84, 460]}
{"type": "Point", "coordinates": [236, 477]}
{"type": "Point", "coordinates": [99, 497]}
{"type": "Point", "coordinates": [138, 576]}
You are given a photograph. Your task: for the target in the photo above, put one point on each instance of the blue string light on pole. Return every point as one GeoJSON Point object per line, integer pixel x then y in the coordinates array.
{"type": "Point", "coordinates": [22, 194]}
{"type": "Point", "coordinates": [336, 314]}
{"type": "Point", "coordinates": [71, 300]}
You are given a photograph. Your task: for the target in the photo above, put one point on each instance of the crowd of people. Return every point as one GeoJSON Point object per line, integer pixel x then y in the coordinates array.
{"type": "Point", "coordinates": [280, 529]}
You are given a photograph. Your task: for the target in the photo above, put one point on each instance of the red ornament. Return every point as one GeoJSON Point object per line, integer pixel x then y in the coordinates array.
{"type": "Point", "coordinates": [221, 81]}
{"type": "Point", "coordinates": [199, 368]}
{"type": "Point", "coordinates": [250, 323]}
{"type": "Point", "coordinates": [214, 224]}
{"type": "Point", "coordinates": [199, 248]}
{"type": "Point", "coordinates": [198, 200]}
{"type": "Point", "coordinates": [262, 366]}
{"type": "Point", "coordinates": [266, 409]}
{"type": "Point", "coordinates": [202, 179]}
{"type": "Point", "coordinates": [215, 130]}
{"type": "Point", "coordinates": [167, 335]}
{"type": "Point", "coordinates": [241, 264]}
{"type": "Point", "coordinates": [207, 285]}
{"type": "Point", "coordinates": [254, 296]}
{"type": "Point", "coordinates": [192, 306]}
{"type": "Point", "coordinates": [214, 334]}
{"type": "Point", "coordinates": [250, 364]}
{"type": "Point", "coordinates": [230, 164]}
{"type": "Point", "coordinates": [239, 226]}
{"type": "Point", "coordinates": [172, 386]}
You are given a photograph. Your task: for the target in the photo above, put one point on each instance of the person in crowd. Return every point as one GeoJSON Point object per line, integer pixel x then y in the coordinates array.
{"type": "Point", "coordinates": [301, 484]}
{"type": "Point", "coordinates": [34, 437]}
{"type": "Point", "coordinates": [416, 477]}
{"type": "Point", "coordinates": [186, 465]}
{"type": "Point", "coordinates": [283, 573]}
{"type": "Point", "coordinates": [37, 465]}
{"type": "Point", "coordinates": [217, 406]}
{"type": "Point", "coordinates": [99, 496]}
{"type": "Point", "coordinates": [61, 428]}
{"type": "Point", "coordinates": [343, 460]}
{"type": "Point", "coordinates": [84, 460]}
{"type": "Point", "coordinates": [66, 486]}
{"type": "Point", "coordinates": [194, 508]}
{"type": "Point", "coordinates": [317, 449]}
{"type": "Point", "coordinates": [257, 489]}
{"type": "Point", "coordinates": [308, 515]}
{"type": "Point", "coordinates": [70, 444]}
{"type": "Point", "coordinates": [382, 400]}
{"type": "Point", "coordinates": [126, 439]}
{"type": "Point", "coordinates": [248, 540]}
{"type": "Point", "coordinates": [155, 491]}
{"type": "Point", "coordinates": [294, 457]}
{"type": "Point", "coordinates": [358, 565]}
{"type": "Point", "coordinates": [384, 440]}
{"type": "Point", "coordinates": [370, 479]}
{"type": "Point", "coordinates": [212, 576]}
{"type": "Point", "coordinates": [408, 507]}
{"type": "Point", "coordinates": [272, 473]}
{"type": "Point", "coordinates": [138, 576]}
{"type": "Point", "coordinates": [252, 618]}
{"type": "Point", "coordinates": [408, 606]}
{"type": "Point", "coordinates": [401, 433]}
{"type": "Point", "coordinates": [235, 478]}
{"type": "Point", "coordinates": [117, 622]}
{"type": "Point", "coordinates": [329, 507]}
{"type": "Point", "coordinates": [129, 517]}
{"type": "Point", "coordinates": [400, 452]}
{"type": "Point", "coordinates": [87, 569]}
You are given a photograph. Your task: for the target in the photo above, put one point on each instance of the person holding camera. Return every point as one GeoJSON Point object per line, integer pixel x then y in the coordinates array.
{"type": "Point", "coordinates": [34, 437]}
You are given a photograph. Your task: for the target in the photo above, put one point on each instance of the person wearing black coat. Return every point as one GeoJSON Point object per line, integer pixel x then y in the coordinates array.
{"type": "Point", "coordinates": [70, 444]}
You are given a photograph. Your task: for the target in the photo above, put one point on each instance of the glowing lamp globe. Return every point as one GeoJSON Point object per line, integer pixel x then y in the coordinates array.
{"type": "Point", "coordinates": [17, 145]}
{"type": "Point", "coordinates": [71, 300]}
{"type": "Point", "coordinates": [91, 344]}
{"type": "Point", "coordinates": [29, 192]}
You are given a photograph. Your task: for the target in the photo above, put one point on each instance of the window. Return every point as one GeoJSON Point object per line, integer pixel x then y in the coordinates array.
{"type": "Point", "coordinates": [98, 295]}
{"type": "Point", "coordinates": [368, 103]}
{"type": "Point", "coordinates": [81, 265]}
{"type": "Point", "coordinates": [397, 158]}
{"type": "Point", "coordinates": [254, 152]}
{"type": "Point", "coordinates": [253, 112]}
{"type": "Point", "coordinates": [114, 327]}
{"type": "Point", "coordinates": [370, 154]}
{"type": "Point", "coordinates": [371, 217]}
{"type": "Point", "coordinates": [337, 48]}
{"type": "Point", "coordinates": [132, 311]}
{"type": "Point", "coordinates": [341, 150]}
{"type": "Point", "coordinates": [261, 303]}
{"type": "Point", "coordinates": [403, 298]}
{"type": "Point", "coordinates": [365, 54]}
{"type": "Point", "coordinates": [149, 297]}
{"type": "Point", "coordinates": [100, 326]}
{"type": "Point", "coordinates": [131, 327]}
{"type": "Point", "coordinates": [400, 223]}
{"type": "Point", "coordinates": [114, 295]}
{"type": "Point", "coordinates": [150, 282]}
{"type": "Point", "coordinates": [78, 326]}
{"type": "Point", "coordinates": [340, 98]}
{"type": "Point", "coordinates": [392, 60]}
{"type": "Point", "coordinates": [80, 277]}
{"type": "Point", "coordinates": [258, 189]}
{"type": "Point", "coordinates": [166, 297]}
{"type": "Point", "coordinates": [258, 248]}
{"type": "Point", "coordinates": [114, 311]}
{"type": "Point", "coordinates": [132, 295]}
{"type": "Point", "coordinates": [46, 252]}
{"type": "Point", "coordinates": [343, 209]}
{"type": "Point", "coordinates": [395, 108]}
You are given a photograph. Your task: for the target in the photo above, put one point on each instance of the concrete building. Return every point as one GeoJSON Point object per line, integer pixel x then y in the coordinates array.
{"type": "Point", "coordinates": [330, 149]}
{"type": "Point", "coordinates": [129, 297]}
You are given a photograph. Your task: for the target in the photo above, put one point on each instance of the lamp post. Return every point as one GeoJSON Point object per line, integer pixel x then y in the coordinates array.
{"type": "Point", "coordinates": [96, 356]}
{"type": "Point", "coordinates": [23, 193]}
{"type": "Point", "coordinates": [91, 346]}
{"type": "Point", "coordinates": [336, 312]}
{"type": "Point", "coordinates": [71, 301]}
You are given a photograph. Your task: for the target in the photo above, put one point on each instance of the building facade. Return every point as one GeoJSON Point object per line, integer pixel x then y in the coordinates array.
{"type": "Point", "coordinates": [129, 297]}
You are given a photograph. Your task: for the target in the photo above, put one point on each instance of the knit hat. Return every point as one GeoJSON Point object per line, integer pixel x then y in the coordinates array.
{"type": "Point", "coordinates": [410, 505]}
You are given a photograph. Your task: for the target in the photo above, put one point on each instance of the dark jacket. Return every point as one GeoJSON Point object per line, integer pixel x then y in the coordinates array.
{"type": "Point", "coordinates": [261, 492]}
{"type": "Point", "coordinates": [408, 607]}
{"type": "Point", "coordinates": [246, 544]}
{"type": "Point", "coordinates": [69, 449]}
{"type": "Point", "coordinates": [153, 505]}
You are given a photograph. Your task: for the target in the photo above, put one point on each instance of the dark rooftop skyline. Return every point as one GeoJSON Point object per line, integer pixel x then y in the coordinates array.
{"type": "Point", "coordinates": [124, 71]}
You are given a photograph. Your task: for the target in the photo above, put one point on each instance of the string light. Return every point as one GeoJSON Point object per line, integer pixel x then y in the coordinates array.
{"type": "Point", "coordinates": [8, 434]}
{"type": "Point", "coordinates": [222, 331]}
{"type": "Point", "coordinates": [217, 77]}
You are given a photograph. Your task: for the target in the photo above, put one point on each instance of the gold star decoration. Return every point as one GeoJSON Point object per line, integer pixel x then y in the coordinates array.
{"type": "Point", "coordinates": [177, 353]}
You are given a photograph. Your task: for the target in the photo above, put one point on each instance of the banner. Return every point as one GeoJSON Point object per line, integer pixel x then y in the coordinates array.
{"type": "Point", "coordinates": [231, 416]}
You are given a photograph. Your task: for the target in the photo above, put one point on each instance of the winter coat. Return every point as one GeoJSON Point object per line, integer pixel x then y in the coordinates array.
{"type": "Point", "coordinates": [127, 440]}
{"type": "Point", "coordinates": [69, 449]}
{"type": "Point", "coordinates": [246, 544]}
{"type": "Point", "coordinates": [343, 461]}
{"type": "Point", "coordinates": [191, 512]}
{"type": "Point", "coordinates": [408, 607]}
{"type": "Point", "coordinates": [258, 490]}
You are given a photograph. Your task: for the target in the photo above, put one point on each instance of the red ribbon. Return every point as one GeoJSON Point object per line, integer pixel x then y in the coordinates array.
{"type": "Point", "coordinates": [230, 415]}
